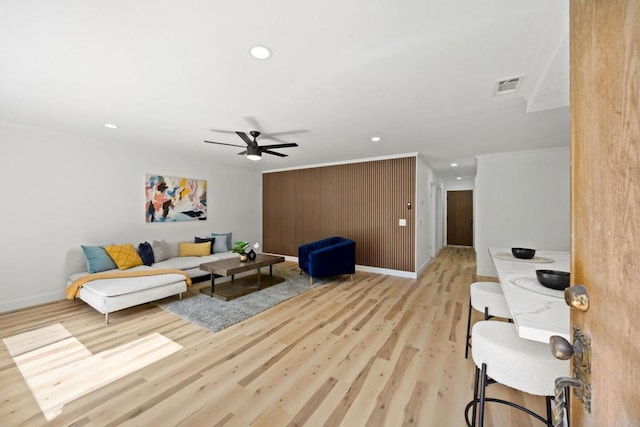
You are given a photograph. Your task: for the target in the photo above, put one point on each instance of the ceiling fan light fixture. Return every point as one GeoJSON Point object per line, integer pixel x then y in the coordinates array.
{"type": "Point", "coordinates": [260, 52]}
{"type": "Point", "coordinates": [253, 153]}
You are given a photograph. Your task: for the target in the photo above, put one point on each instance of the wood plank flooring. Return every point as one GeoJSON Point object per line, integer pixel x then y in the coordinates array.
{"type": "Point", "coordinates": [59, 369]}
{"type": "Point", "coordinates": [375, 351]}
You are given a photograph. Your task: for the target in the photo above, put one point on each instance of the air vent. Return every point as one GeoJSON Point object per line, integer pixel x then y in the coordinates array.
{"type": "Point", "coordinates": [507, 86]}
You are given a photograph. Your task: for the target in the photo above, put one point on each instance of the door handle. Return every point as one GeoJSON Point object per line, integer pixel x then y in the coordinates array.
{"type": "Point", "coordinates": [576, 296]}
{"type": "Point", "coordinates": [580, 350]}
{"type": "Point", "coordinates": [564, 350]}
{"type": "Point", "coordinates": [560, 400]}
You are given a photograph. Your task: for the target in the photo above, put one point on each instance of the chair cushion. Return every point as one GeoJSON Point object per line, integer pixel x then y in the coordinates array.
{"type": "Point", "coordinates": [489, 294]}
{"type": "Point", "coordinates": [516, 362]}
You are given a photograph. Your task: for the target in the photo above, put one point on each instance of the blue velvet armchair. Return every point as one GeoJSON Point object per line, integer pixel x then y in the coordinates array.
{"type": "Point", "coordinates": [327, 257]}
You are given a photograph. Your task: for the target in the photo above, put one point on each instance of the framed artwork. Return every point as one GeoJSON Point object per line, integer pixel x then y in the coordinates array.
{"type": "Point", "coordinates": [171, 199]}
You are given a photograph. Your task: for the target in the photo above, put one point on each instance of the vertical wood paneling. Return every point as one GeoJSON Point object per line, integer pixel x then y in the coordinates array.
{"type": "Point", "coordinates": [362, 201]}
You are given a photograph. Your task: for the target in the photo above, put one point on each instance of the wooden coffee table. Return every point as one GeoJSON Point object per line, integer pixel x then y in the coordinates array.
{"type": "Point", "coordinates": [245, 285]}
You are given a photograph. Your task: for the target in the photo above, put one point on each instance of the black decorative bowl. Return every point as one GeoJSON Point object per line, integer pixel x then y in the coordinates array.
{"type": "Point", "coordinates": [553, 279]}
{"type": "Point", "coordinates": [523, 253]}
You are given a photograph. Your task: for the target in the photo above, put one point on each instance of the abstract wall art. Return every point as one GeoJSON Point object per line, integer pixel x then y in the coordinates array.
{"type": "Point", "coordinates": [171, 199]}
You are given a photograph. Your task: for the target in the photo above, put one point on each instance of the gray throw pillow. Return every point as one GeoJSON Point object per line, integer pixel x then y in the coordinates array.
{"type": "Point", "coordinates": [222, 239]}
{"type": "Point", "coordinates": [160, 250]}
{"type": "Point", "coordinates": [220, 245]}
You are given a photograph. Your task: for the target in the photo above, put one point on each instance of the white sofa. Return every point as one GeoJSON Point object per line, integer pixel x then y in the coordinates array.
{"type": "Point", "coordinates": [113, 294]}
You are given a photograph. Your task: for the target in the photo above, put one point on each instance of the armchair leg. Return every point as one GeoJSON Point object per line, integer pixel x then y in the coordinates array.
{"type": "Point", "coordinates": [310, 280]}
{"type": "Point", "coordinates": [351, 277]}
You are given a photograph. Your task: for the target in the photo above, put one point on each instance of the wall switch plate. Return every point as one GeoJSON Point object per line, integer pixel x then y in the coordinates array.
{"type": "Point", "coordinates": [402, 222]}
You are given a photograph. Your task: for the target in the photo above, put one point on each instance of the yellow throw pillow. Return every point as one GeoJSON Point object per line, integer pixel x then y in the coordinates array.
{"type": "Point", "coordinates": [125, 256]}
{"type": "Point", "coordinates": [194, 249]}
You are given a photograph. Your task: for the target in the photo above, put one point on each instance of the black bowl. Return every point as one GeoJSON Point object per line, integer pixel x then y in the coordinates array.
{"type": "Point", "coordinates": [553, 279]}
{"type": "Point", "coordinates": [523, 253]}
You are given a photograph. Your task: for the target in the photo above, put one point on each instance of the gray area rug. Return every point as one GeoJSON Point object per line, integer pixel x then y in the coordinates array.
{"type": "Point", "coordinates": [215, 314]}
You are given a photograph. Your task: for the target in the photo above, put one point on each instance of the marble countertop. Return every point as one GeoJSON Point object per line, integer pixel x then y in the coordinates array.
{"type": "Point", "coordinates": [537, 316]}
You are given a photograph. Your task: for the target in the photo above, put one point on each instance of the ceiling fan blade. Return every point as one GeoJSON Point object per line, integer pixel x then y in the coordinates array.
{"type": "Point", "coordinates": [242, 153]}
{"type": "Point", "coordinates": [222, 131]}
{"type": "Point", "coordinates": [224, 143]}
{"type": "Point", "coordinates": [274, 153]}
{"type": "Point", "coordinates": [287, 132]}
{"type": "Point", "coordinates": [246, 139]}
{"type": "Point", "coordinates": [253, 123]}
{"type": "Point", "coordinates": [287, 145]}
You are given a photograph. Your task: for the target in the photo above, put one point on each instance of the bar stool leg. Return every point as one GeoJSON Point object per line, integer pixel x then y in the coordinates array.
{"type": "Point", "coordinates": [466, 343]}
{"type": "Point", "coordinates": [475, 397]}
{"type": "Point", "coordinates": [483, 387]}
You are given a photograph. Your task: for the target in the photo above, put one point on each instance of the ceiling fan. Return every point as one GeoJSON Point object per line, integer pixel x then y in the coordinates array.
{"type": "Point", "coordinates": [254, 151]}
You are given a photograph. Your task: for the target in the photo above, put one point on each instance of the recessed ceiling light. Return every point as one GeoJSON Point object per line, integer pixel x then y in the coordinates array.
{"type": "Point", "coordinates": [260, 52]}
{"type": "Point", "coordinates": [459, 177]}
{"type": "Point", "coordinates": [453, 165]}
{"type": "Point", "coordinates": [110, 126]}
{"type": "Point", "coordinates": [376, 139]}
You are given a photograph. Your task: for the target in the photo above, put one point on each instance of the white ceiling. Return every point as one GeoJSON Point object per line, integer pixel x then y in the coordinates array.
{"type": "Point", "coordinates": [418, 73]}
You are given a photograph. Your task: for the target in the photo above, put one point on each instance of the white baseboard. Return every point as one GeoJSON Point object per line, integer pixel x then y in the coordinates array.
{"type": "Point", "coordinates": [20, 303]}
{"type": "Point", "coordinates": [425, 265]}
{"type": "Point", "coordinates": [377, 270]}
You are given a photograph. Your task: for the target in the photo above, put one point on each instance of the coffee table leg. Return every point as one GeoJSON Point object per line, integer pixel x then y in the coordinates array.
{"type": "Point", "coordinates": [271, 270]}
{"type": "Point", "coordinates": [258, 273]}
{"type": "Point", "coordinates": [213, 283]}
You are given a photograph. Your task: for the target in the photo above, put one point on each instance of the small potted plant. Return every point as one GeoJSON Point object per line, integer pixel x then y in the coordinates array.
{"type": "Point", "coordinates": [240, 249]}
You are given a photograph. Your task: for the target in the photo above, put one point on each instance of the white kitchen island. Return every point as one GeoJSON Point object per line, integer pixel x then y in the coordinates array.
{"type": "Point", "coordinates": [538, 312]}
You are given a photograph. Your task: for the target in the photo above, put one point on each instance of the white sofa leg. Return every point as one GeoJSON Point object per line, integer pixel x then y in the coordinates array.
{"type": "Point", "coordinates": [180, 296]}
{"type": "Point", "coordinates": [106, 318]}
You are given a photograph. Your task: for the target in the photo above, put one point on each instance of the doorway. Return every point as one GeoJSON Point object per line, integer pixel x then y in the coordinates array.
{"type": "Point", "coordinates": [460, 218]}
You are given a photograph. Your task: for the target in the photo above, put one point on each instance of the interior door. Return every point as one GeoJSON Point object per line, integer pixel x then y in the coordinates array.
{"type": "Point", "coordinates": [605, 203]}
{"type": "Point", "coordinates": [460, 218]}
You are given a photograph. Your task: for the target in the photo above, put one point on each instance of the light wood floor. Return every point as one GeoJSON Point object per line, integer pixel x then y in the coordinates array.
{"type": "Point", "coordinates": [376, 351]}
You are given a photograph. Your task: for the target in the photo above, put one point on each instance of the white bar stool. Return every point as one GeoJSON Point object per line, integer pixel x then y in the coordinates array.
{"type": "Point", "coordinates": [501, 356]}
{"type": "Point", "coordinates": [487, 298]}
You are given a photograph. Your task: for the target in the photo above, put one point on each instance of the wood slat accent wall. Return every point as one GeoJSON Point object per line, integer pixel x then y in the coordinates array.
{"type": "Point", "coordinates": [360, 201]}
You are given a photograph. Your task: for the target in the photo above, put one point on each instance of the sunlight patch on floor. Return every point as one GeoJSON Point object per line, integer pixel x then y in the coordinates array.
{"type": "Point", "coordinates": [59, 369]}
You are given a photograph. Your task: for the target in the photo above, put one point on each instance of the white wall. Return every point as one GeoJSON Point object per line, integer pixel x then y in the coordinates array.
{"type": "Point", "coordinates": [437, 199]}
{"type": "Point", "coordinates": [60, 191]}
{"type": "Point", "coordinates": [458, 184]}
{"type": "Point", "coordinates": [522, 199]}
{"type": "Point", "coordinates": [424, 214]}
